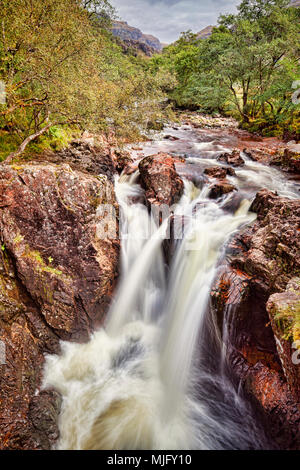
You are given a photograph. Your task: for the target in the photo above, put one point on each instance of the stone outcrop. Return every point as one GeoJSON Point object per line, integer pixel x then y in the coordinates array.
{"type": "Point", "coordinates": [219, 172]}
{"type": "Point", "coordinates": [122, 160]}
{"type": "Point", "coordinates": [57, 275]}
{"type": "Point", "coordinates": [284, 313]}
{"type": "Point", "coordinates": [87, 157]}
{"type": "Point", "coordinates": [160, 180]}
{"type": "Point", "coordinates": [256, 295]}
{"type": "Point", "coordinates": [288, 159]}
{"type": "Point", "coordinates": [220, 188]}
{"type": "Point", "coordinates": [234, 158]}
{"type": "Point", "coordinates": [134, 37]}
{"type": "Point", "coordinates": [275, 404]}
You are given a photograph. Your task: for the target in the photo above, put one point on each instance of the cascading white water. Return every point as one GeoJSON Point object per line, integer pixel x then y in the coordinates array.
{"type": "Point", "coordinates": [155, 376]}
{"type": "Point", "coordinates": [130, 387]}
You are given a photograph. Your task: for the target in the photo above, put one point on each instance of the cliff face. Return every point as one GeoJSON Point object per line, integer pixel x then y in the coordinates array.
{"type": "Point", "coordinates": [57, 277]}
{"type": "Point", "coordinates": [135, 38]}
{"type": "Point", "coordinates": [257, 294]}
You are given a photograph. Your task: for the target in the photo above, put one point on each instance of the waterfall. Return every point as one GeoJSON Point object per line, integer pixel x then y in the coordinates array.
{"type": "Point", "coordinates": [156, 376]}
{"type": "Point", "coordinates": [135, 385]}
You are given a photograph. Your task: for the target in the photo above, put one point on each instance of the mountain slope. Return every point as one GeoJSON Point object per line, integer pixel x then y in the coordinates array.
{"type": "Point", "coordinates": [135, 38]}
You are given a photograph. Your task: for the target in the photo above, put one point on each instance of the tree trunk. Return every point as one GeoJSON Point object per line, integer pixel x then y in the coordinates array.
{"type": "Point", "coordinates": [25, 143]}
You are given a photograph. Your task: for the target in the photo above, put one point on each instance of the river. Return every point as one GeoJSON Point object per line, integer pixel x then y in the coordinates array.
{"type": "Point", "coordinates": [155, 376]}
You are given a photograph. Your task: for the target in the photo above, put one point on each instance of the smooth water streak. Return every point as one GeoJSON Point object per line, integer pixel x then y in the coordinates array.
{"type": "Point", "coordinates": [145, 380]}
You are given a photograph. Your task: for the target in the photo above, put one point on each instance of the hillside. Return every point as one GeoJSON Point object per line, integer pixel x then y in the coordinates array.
{"type": "Point", "coordinates": [205, 33]}
{"type": "Point", "coordinates": [133, 37]}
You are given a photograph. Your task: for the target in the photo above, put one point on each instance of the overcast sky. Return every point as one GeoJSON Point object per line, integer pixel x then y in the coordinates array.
{"type": "Point", "coordinates": [166, 19]}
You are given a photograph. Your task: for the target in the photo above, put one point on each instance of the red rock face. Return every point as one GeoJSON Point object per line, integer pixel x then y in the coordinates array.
{"type": "Point", "coordinates": [56, 281]}
{"type": "Point", "coordinates": [86, 156]}
{"type": "Point", "coordinates": [275, 404]}
{"type": "Point", "coordinates": [160, 180]}
{"type": "Point", "coordinates": [263, 259]}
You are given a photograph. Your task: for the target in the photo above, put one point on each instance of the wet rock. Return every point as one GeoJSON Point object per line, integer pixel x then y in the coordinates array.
{"type": "Point", "coordinates": [258, 155]}
{"type": "Point", "coordinates": [160, 179]}
{"type": "Point", "coordinates": [122, 160]}
{"type": "Point", "coordinates": [25, 337]}
{"type": "Point", "coordinates": [86, 156]}
{"type": "Point", "coordinates": [289, 159]}
{"type": "Point", "coordinates": [284, 313]}
{"type": "Point", "coordinates": [43, 412]}
{"type": "Point", "coordinates": [177, 226]}
{"type": "Point", "coordinates": [171, 137]}
{"type": "Point", "coordinates": [274, 243]}
{"type": "Point", "coordinates": [220, 188]}
{"type": "Point", "coordinates": [49, 223]}
{"type": "Point", "coordinates": [247, 329]}
{"type": "Point", "coordinates": [234, 158]}
{"type": "Point", "coordinates": [219, 172]}
{"type": "Point", "coordinates": [57, 275]}
{"type": "Point", "coordinates": [277, 406]}
{"type": "Point", "coordinates": [263, 261]}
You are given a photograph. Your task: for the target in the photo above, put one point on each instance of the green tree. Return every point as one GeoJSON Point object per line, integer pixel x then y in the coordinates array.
{"type": "Point", "coordinates": [61, 67]}
{"type": "Point", "coordinates": [246, 67]}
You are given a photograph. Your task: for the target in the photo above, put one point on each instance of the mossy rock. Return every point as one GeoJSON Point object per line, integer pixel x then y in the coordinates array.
{"type": "Point", "coordinates": [284, 309]}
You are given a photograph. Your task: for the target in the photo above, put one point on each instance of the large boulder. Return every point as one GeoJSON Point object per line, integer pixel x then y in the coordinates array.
{"type": "Point", "coordinates": [275, 404]}
{"type": "Point", "coordinates": [220, 188]}
{"type": "Point", "coordinates": [273, 246]}
{"type": "Point", "coordinates": [160, 179]}
{"type": "Point", "coordinates": [57, 275]}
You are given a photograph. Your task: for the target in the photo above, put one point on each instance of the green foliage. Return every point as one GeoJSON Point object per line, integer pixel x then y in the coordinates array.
{"type": "Point", "coordinates": [245, 68]}
{"type": "Point", "coordinates": [63, 69]}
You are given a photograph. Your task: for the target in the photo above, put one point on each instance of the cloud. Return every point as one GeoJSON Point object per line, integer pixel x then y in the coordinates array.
{"type": "Point", "coordinates": [166, 19]}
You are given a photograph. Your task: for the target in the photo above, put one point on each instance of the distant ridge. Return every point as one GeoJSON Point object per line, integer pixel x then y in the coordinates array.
{"type": "Point", "coordinates": [206, 32]}
{"type": "Point", "coordinates": [134, 37]}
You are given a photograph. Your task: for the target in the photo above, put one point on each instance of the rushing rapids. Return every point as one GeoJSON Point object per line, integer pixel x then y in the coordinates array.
{"type": "Point", "coordinates": [155, 377]}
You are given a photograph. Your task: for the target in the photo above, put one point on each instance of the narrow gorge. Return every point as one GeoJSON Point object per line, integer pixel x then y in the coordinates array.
{"type": "Point", "coordinates": [179, 330]}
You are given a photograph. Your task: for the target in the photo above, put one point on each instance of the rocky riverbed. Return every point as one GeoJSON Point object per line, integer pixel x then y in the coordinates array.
{"type": "Point", "coordinates": [57, 278]}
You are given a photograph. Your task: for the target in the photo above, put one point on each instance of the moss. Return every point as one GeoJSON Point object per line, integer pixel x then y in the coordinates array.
{"type": "Point", "coordinates": [286, 313]}
{"type": "Point", "coordinates": [56, 138]}
{"type": "Point", "coordinates": [41, 265]}
{"type": "Point", "coordinates": [8, 144]}
{"type": "Point", "coordinates": [18, 239]}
